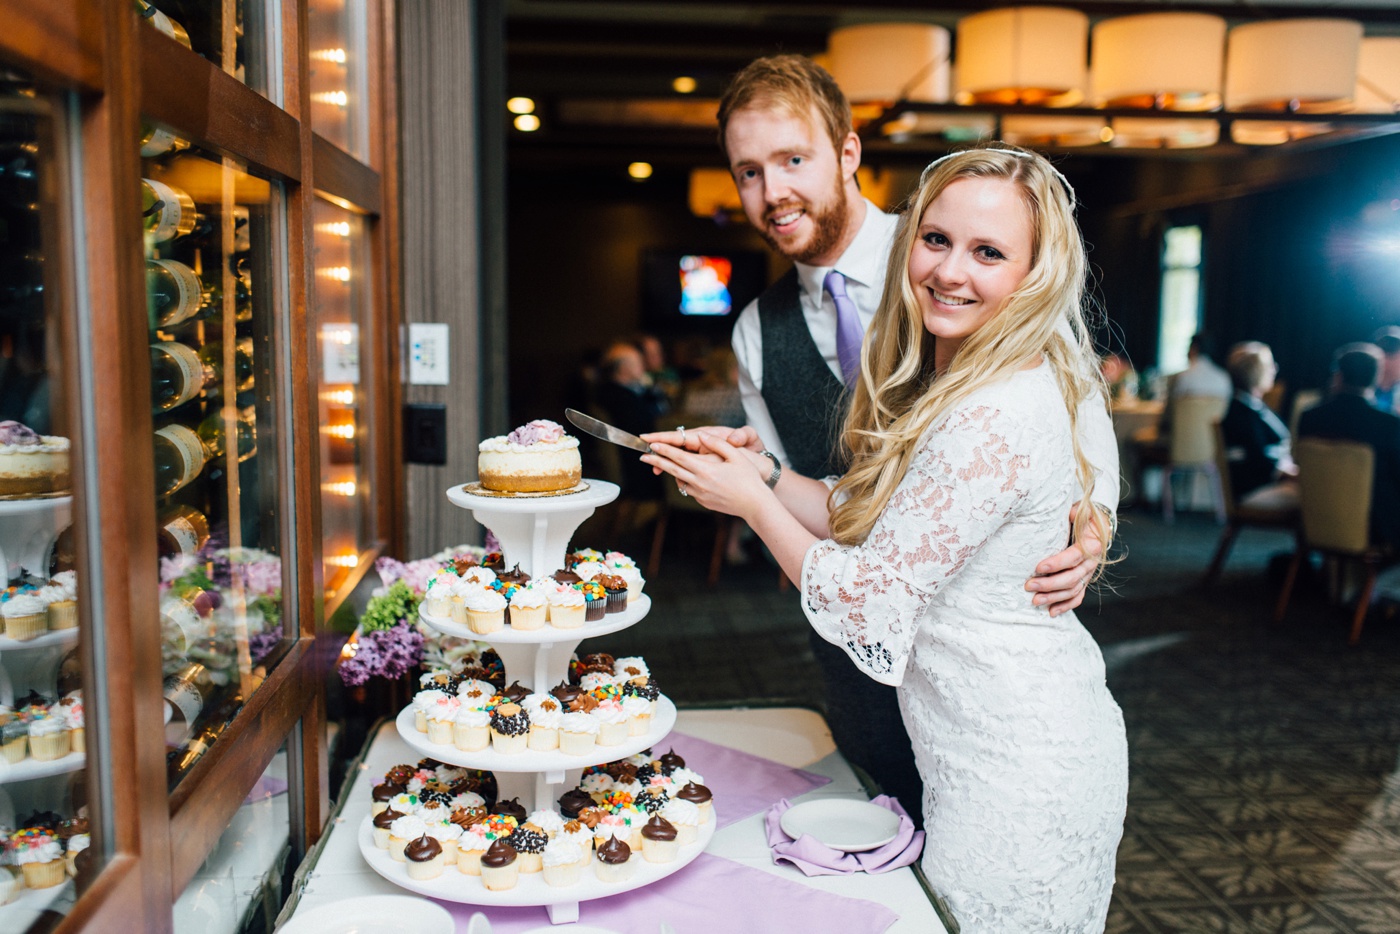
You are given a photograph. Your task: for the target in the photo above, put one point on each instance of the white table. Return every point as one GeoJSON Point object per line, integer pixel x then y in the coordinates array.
{"type": "Point", "coordinates": [792, 736]}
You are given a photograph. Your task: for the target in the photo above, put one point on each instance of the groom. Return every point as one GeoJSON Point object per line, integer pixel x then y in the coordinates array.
{"type": "Point", "coordinates": [785, 128]}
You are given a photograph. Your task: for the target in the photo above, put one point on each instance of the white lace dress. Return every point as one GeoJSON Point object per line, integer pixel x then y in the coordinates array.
{"type": "Point", "coordinates": [1019, 743]}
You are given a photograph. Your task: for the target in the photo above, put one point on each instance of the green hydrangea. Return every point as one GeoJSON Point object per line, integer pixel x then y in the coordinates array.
{"type": "Point", "coordinates": [387, 610]}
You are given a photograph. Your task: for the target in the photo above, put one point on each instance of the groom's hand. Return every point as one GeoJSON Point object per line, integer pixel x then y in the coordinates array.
{"type": "Point", "coordinates": [1062, 579]}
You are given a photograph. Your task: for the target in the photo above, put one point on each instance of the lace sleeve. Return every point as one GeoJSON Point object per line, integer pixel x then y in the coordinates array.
{"type": "Point", "coordinates": [961, 486]}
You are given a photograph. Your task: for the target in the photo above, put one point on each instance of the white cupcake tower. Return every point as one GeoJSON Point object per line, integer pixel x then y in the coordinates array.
{"type": "Point", "coordinates": [535, 533]}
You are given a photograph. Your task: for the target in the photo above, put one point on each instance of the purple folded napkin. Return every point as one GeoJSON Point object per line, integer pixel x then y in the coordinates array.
{"type": "Point", "coordinates": [815, 858]}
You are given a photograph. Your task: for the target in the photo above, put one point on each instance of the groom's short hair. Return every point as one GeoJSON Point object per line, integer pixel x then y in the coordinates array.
{"type": "Point", "coordinates": [793, 83]}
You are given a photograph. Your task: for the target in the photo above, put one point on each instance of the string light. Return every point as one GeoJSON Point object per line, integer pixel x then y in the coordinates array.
{"type": "Point", "coordinates": [339, 396]}
{"type": "Point", "coordinates": [338, 98]}
{"type": "Point", "coordinates": [343, 432]}
{"type": "Point", "coordinates": [343, 488]}
{"type": "Point", "coordinates": [338, 273]}
{"type": "Point", "coordinates": [347, 560]}
{"type": "Point", "coordinates": [520, 105]}
{"type": "Point", "coordinates": [639, 170]}
{"type": "Point", "coordinates": [683, 85]}
{"type": "Point", "coordinates": [527, 123]}
{"type": "Point", "coordinates": [330, 55]}
{"type": "Point", "coordinates": [338, 228]}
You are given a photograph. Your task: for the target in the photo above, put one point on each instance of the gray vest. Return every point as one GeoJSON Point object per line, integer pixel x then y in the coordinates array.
{"type": "Point", "coordinates": [807, 402]}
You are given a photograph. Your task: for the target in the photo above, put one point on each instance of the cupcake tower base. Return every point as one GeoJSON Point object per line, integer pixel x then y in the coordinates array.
{"type": "Point", "coordinates": [29, 528]}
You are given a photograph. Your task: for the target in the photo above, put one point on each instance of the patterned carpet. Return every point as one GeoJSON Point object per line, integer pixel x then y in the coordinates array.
{"type": "Point", "coordinates": [1265, 790]}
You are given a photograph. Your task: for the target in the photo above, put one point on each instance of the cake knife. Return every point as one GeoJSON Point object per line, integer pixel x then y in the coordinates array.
{"type": "Point", "coordinates": [601, 429]}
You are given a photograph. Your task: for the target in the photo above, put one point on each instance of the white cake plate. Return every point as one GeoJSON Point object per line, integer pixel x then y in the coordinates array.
{"type": "Point", "coordinates": [531, 890]}
{"type": "Point", "coordinates": [539, 658]}
{"type": "Point", "coordinates": [535, 533]}
{"type": "Point", "coordinates": [28, 530]}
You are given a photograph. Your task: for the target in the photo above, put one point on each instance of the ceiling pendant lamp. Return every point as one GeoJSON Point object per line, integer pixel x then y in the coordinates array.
{"type": "Point", "coordinates": [1054, 131]}
{"type": "Point", "coordinates": [1157, 133]}
{"type": "Point", "coordinates": [1023, 55]}
{"type": "Point", "coordinates": [1378, 75]}
{"type": "Point", "coordinates": [1274, 132]}
{"type": "Point", "coordinates": [1301, 65]}
{"type": "Point", "coordinates": [887, 62]}
{"type": "Point", "coordinates": [1169, 61]}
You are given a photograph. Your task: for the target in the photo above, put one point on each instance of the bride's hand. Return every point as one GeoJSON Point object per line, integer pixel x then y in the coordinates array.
{"type": "Point", "coordinates": [719, 476]}
{"type": "Point", "coordinates": [689, 438]}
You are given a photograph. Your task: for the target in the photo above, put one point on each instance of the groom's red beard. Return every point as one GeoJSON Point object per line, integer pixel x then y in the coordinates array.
{"type": "Point", "coordinates": [828, 226]}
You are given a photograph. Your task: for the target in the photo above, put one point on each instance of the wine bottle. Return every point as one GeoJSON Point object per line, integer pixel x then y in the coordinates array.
{"type": "Point", "coordinates": [212, 432]}
{"type": "Point", "coordinates": [185, 693]}
{"type": "Point", "coordinates": [174, 292]}
{"type": "Point", "coordinates": [212, 357]}
{"type": "Point", "coordinates": [163, 23]}
{"type": "Point", "coordinates": [182, 530]}
{"type": "Point", "coordinates": [180, 456]}
{"type": "Point", "coordinates": [167, 212]}
{"type": "Point", "coordinates": [157, 142]}
{"type": "Point", "coordinates": [177, 375]}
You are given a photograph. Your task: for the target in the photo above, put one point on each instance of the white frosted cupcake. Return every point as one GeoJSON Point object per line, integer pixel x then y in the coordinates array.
{"type": "Point", "coordinates": [528, 609]}
{"type": "Point", "coordinates": [406, 828]}
{"type": "Point", "coordinates": [612, 723]}
{"type": "Point", "coordinates": [563, 862]}
{"type": "Point", "coordinates": [685, 817]}
{"type": "Point", "coordinates": [446, 834]}
{"type": "Point", "coordinates": [631, 668]}
{"type": "Point", "coordinates": [635, 581]}
{"type": "Point", "coordinates": [483, 576]}
{"type": "Point", "coordinates": [438, 596]}
{"type": "Point", "coordinates": [486, 611]}
{"type": "Point", "coordinates": [48, 738]}
{"type": "Point", "coordinates": [471, 731]}
{"type": "Point", "coordinates": [587, 570]}
{"type": "Point", "coordinates": [545, 713]}
{"type": "Point", "coordinates": [596, 785]}
{"type": "Point", "coordinates": [423, 701]}
{"type": "Point", "coordinates": [578, 833]}
{"type": "Point", "coordinates": [638, 713]}
{"type": "Point", "coordinates": [578, 733]}
{"type": "Point", "coordinates": [551, 822]}
{"type": "Point", "coordinates": [598, 679]}
{"type": "Point", "coordinates": [26, 617]}
{"type": "Point", "coordinates": [475, 695]}
{"type": "Point", "coordinates": [567, 608]}
{"type": "Point", "coordinates": [441, 717]}
{"type": "Point", "coordinates": [470, 845]}
{"type": "Point", "coordinates": [76, 844]}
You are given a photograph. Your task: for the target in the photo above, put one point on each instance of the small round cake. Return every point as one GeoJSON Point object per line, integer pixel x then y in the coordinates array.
{"type": "Point", "coordinates": [31, 463]}
{"type": "Point", "coordinates": [534, 458]}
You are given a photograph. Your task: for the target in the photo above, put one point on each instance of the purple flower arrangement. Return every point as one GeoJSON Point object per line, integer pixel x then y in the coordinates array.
{"type": "Point", "coordinates": [383, 653]}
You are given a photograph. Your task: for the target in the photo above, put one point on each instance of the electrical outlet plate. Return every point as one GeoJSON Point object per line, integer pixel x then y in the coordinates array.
{"type": "Point", "coordinates": [425, 433]}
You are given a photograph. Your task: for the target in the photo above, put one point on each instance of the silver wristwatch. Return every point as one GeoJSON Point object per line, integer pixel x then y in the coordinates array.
{"type": "Point", "coordinates": [772, 480]}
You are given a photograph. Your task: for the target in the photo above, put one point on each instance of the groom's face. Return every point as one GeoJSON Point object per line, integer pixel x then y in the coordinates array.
{"type": "Point", "coordinates": [791, 181]}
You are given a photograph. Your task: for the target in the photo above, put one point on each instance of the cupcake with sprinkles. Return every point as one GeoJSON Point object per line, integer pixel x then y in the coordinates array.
{"type": "Point", "coordinates": [39, 855]}
{"type": "Point", "coordinates": [595, 605]}
{"type": "Point", "coordinates": [529, 842]}
{"type": "Point", "coordinates": [510, 729]}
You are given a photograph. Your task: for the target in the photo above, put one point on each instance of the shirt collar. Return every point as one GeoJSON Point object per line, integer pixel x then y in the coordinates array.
{"type": "Point", "coordinates": [864, 261]}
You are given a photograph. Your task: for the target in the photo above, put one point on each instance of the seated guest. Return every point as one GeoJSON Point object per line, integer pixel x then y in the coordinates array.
{"type": "Point", "coordinates": [625, 395]}
{"type": "Point", "coordinates": [1388, 385]}
{"type": "Point", "coordinates": [1256, 442]}
{"type": "Point", "coordinates": [1349, 416]}
{"type": "Point", "coordinates": [1200, 378]}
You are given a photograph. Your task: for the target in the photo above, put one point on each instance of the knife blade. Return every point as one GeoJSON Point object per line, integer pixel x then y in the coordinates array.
{"type": "Point", "coordinates": [606, 432]}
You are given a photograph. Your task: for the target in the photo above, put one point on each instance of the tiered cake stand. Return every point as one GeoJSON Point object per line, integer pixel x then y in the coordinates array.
{"type": "Point", "coordinates": [535, 533]}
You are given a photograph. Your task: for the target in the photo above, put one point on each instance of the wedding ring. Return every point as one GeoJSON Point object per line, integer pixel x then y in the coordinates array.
{"type": "Point", "coordinates": [681, 429]}
{"type": "Point", "coordinates": [681, 487]}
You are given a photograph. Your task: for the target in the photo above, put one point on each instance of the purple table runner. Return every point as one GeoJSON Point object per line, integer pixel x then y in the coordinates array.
{"type": "Point", "coordinates": [743, 784]}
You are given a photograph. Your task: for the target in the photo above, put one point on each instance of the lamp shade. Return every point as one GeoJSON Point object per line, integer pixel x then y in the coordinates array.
{"type": "Point", "coordinates": [1054, 131]}
{"type": "Point", "coordinates": [1378, 75]}
{"type": "Point", "coordinates": [1307, 65]}
{"type": "Point", "coordinates": [1273, 132]}
{"type": "Point", "coordinates": [887, 62]}
{"type": "Point", "coordinates": [1155, 133]}
{"type": "Point", "coordinates": [1175, 61]}
{"type": "Point", "coordinates": [1023, 55]}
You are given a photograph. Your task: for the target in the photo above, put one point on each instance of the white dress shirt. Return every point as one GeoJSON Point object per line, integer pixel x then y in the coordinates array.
{"type": "Point", "coordinates": [1202, 378]}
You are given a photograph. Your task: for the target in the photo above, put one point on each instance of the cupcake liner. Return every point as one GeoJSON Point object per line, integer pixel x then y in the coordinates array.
{"type": "Point", "coordinates": [44, 875]}
{"type": "Point", "coordinates": [63, 614]}
{"type": "Point", "coordinates": [16, 749]}
{"type": "Point", "coordinates": [485, 623]}
{"type": "Point", "coordinates": [77, 738]}
{"type": "Point", "coordinates": [47, 747]}
{"type": "Point", "coordinates": [567, 617]}
{"type": "Point", "coordinates": [595, 610]}
{"type": "Point", "coordinates": [24, 628]}
{"type": "Point", "coordinates": [616, 602]}
{"type": "Point", "coordinates": [567, 874]}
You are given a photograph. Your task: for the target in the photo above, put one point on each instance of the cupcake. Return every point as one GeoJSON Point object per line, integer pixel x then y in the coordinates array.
{"type": "Point", "coordinates": [62, 606]}
{"type": "Point", "coordinates": [471, 846]}
{"type": "Point", "coordinates": [26, 617]}
{"type": "Point", "coordinates": [613, 861]}
{"type": "Point", "coordinates": [611, 825]}
{"type": "Point", "coordinates": [578, 734]}
{"type": "Point", "coordinates": [596, 785]}
{"type": "Point", "coordinates": [406, 828]}
{"type": "Point", "coordinates": [616, 589]}
{"type": "Point", "coordinates": [446, 834]}
{"type": "Point", "coordinates": [475, 694]}
{"type": "Point", "coordinates": [612, 723]}
{"type": "Point", "coordinates": [660, 843]}
{"type": "Point", "coordinates": [529, 843]}
{"type": "Point", "coordinates": [380, 795]}
{"type": "Point", "coordinates": [548, 821]}
{"type": "Point", "coordinates": [514, 576]}
{"type": "Point", "coordinates": [578, 833]}
{"type": "Point", "coordinates": [422, 703]}
{"type": "Point", "coordinates": [638, 713]}
{"type": "Point", "coordinates": [500, 867]}
{"type": "Point", "coordinates": [563, 862]}
{"type": "Point", "coordinates": [567, 608]}
{"type": "Point", "coordinates": [510, 729]}
{"type": "Point", "coordinates": [40, 857]}
{"type": "Point", "coordinates": [72, 709]}
{"type": "Point", "coordinates": [48, 737]}
{"type": "Point", "coordinates": [528, 609]}
{"type": "Point", "coordinates": [424, 857]}
{"type": "Point", "coordinates": [406, 803]}
{"type": "Point", "coordinates": [646, 690]}
{"type": "Point", "coordinates": [441, 718]}
{"type": "Point", "coordinates": [511, 808]}
{"type": "Point", "coordinates": [515, 692]}
{"type": "Point", "coordinates": [572, 803]}
{"type": "Point", "coordinates": [471, 729]}
{"type": "Point", "coordinates": [382, 822]}
{"type": "Point", "coordinates": [590, 569]}
{"type": "Point", "coordinates": [14, 741]}
{"type": "Point", "coordinates": [481, 575]}
{"type": "Point", "coordinates": [651, 800]}
{"type": "Point", "coordinates": [699, 796]}
{"type": "Point", "coordinates": [634, 579]}
{"type": "Point", "coordinates": [545, 714]}
{"type": "Point", "coordinates": [438, 596]}
{"type": "Point", "coordinates": [685, 817]}
{"type": "Point", "coordinates": [11, 882]}
{"type": "Point", "coordinates": [566, 577]}
{"type": "Point", "coordinates": [630, 668]}
{"type": "Point", "coordinates": [486, 611]}
{"type": "Point", "coordinates": [595, 600]}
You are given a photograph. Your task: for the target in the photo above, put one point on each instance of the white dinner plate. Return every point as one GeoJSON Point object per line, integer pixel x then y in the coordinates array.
{"type": "Point", "coordinates": [848, 826]}
{"type": "Point", "coordinates": [373, 914]}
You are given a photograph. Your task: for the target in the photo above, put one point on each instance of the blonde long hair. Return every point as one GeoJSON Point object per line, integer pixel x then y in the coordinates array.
{"type": "Point", "coordinates": [899, 396]}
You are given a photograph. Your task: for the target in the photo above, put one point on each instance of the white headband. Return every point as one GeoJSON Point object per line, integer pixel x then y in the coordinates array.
{"type": "Point", "coordinates": [1073, 199]}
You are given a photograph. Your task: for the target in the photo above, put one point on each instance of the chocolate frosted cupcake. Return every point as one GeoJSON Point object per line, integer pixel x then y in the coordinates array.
{"type": "Point", "coordinates": [500, 867]}
{"type": "Point", "coordinates": [659, 840]}
{"type": "Point", "coordinates": [574, 801]}
{"type": "Point", "coordinates": [510, 729]}
{"type": "Point", "coordinates": [699, 796]}
{"type": "Point", "coordinates": [616, 589]}
{"type": "Point", "coordinates": [529, 842]}
{"type": "Point", "coordinates": [516, 692]}
{"type": "Point", "coordinates": [513, 576]}
{"type": "Point", "coordinates": [424, 857]}
{"type": "Point", "coordinates": [511, 807]}
{"type": "Point", "coordinates": [382, 793]}
{"type": "Point", "coordinates": [382, 822]}
{"type": "Point", "coordinates": [670, 762]}
{"type": "Point", "coordinates": [566, 577]}
{"type": "Point", "coordinates": [613, 862]}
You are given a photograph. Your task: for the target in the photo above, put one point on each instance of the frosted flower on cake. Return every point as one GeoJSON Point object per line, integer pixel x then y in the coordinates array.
{"type": "Point", "coordinates": [539, 431]}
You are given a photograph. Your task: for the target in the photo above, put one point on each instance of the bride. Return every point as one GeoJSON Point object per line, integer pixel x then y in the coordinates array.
{"type": "Point", "coordinates": [966, 454]}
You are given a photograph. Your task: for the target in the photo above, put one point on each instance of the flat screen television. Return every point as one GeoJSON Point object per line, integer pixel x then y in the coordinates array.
{"type": "Point", "coordinates": [681, 287]}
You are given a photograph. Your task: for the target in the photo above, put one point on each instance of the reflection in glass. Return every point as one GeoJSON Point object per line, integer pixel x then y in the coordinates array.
{"type": "Point", "coordinates": [50, 835]}
{"type": "Point", "coordinates": [336, 30]}
{"type": "Point", "coordinates": [207, 226]}
{"type": "Point", "coordinates": [341, 296]}
{"type": "Point", "coordinates": [228, 33]}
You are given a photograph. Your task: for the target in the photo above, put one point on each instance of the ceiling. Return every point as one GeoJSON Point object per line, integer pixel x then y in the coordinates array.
{"type": "Point", "coordinates": [601, 72]}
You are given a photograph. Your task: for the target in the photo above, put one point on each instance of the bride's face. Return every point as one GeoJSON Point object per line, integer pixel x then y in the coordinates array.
{"type": "Point", "coordinates": [973, 249]}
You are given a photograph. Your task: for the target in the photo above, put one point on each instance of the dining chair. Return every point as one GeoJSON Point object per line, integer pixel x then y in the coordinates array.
{"type": "Point", "coordinates": [1334, 480]}
{"type": "Point", "coordinates": [1276, 507]}
{"type": "Point", "coordinates": [1303, 400]}
{"type": "Point", "coordinates": [1192, 450]}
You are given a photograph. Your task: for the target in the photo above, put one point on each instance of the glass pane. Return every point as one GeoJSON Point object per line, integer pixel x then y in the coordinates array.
{"type": "Point", "coordinates": [47, 820]}
{"type": "Point", "coordinates": [1182, 247]}
{"type": "Point", "coordinates": [230, 33]}
{"type": "Point", "coordinates": [336, 29]}
{"type": "Point", "coordinates": [239, 887]}
{"type": "Point", "coordinates": [341, 296]}
{"type": "Point", "coordinates": [1181, 316]}
{"type": "Point", "coordinates": [209, 275]}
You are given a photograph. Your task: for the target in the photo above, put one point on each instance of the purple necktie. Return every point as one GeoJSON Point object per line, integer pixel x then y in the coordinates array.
{"type": "Point", "coordinates": [848, 330]}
